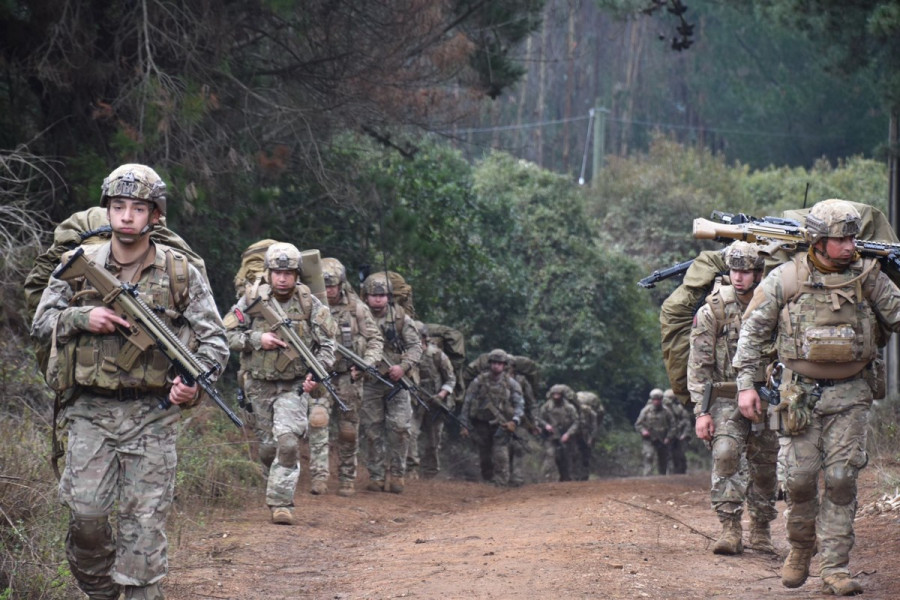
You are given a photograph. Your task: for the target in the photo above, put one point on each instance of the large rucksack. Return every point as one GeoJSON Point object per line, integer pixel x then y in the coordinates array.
{"type": "Point", "coordinates": [253, 265]}
{"type": "Point", "coordinates": [678, 309]}
{"type": "Point", "coordinates": [452, 342]}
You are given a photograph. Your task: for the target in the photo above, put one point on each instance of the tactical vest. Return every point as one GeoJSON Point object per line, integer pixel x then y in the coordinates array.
{"type": "Point", "coordinates": [261, 364]}
{"type": "Point", "coordinates": [349, 317]}
{"type": "Point", "coordinates": [726, 311]}
{"type": "Point", "coordinates": [827, 328]}
{"type": "Point", "coordinates": [429, 369]}
{"type": "Point", "coordinates": [394, 346]}
{"type": "Point", "coordinates": [491, 392]}
{"type": "Point", "coordinates": [98, 358]}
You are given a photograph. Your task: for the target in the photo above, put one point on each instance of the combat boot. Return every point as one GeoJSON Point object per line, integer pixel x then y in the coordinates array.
{"type": "Point", "coordinates": [346, 489]}
{"type": "Point", "coordinates": [796, 567]}
{"type": "Point", "coordinates": [761, 537]}
{"type": "Point", "coordinates": [841, 584]}
{"type": "Point", "coordinates": [730, 541]}
{"type": "Point", "coordinates": [282, 515]}
{"type": "Point", "coordinates": [375, 486]}
{"type": "Point", "coordinates": [397, 485]}
{"type": "Point", "coordinates": [319, 487]}
{"type": "Point", "coordinates": [142, 592]}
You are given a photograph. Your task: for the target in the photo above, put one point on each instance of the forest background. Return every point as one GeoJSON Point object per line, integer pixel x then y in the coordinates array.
{"type": "Point", "coordinates": [442, 139]}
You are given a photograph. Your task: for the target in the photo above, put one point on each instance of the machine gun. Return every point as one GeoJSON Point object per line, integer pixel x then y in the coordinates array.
{"type": "Point", "coordinates": [407, 384]}
{"type": "Point", "coordinates": [146, 331]}
{"type": "Point", "coordinates": [362, 365]}
{"type": "Point", "coordinates": [296, 349]}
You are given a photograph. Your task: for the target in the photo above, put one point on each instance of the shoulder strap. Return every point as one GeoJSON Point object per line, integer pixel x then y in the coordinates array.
{"type": "Point", "coordinates": [179, 279]}
{"type": "Point", "coordinates": [304, 295]}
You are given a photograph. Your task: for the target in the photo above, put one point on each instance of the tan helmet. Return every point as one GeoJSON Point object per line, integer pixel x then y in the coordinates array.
{"type": "Point", "coordinates": [376, 285]}
{"type": "Point", "coordinates": [139, 182]}
{"type": "Point", "coordinates": [333, 271]}
{"type": "Point", "coordinates": [656, 393]}
{"type": "Point", "coordinates": [282, 256]}
{"type": "Point", "coordinates": [669, 394]}
{"type": "Point", "coordinates": [499, 356]}
{"type": "Point", "coordinates": [559, 388]}
{"type": "Point", "coordinates": [832, 219]}
{"type": "Point", "coordinates": [744, 256]}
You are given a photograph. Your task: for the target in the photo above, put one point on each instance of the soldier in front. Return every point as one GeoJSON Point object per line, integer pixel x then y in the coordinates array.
{"type": "Point", "coordinates": [122, 421]}
{"type": "Point", "coordinates": [827, 308]}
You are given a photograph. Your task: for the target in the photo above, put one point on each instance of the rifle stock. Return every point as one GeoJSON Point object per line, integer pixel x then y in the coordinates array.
{"type": "Point", "coordinates": [361, 364]}
{"type": "Point", "coordinates": [296, 349]}
{"type": "Point", "coordinates": [146, 329]}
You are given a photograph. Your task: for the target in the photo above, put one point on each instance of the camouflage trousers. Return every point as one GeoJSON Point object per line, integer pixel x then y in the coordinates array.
{"type": "Point", "coordinates": [558, 459]}
{"type": "Point", "coordinates": [280, 409]}
{"type": "Point", "coordinates": [426, 429]}
{"type": "Point", "coordinates": [119, 453]}
{"type": "Point", "coordinates": [744, 465]}
{"type": "Point", "coordinates": [385, 425]}
{"type": "Point", "coordinates": [678, 456]}
{"type": "Point", "coordinates": [494, 451]}
{"type": "Point", "coordinates": [347, 430]}
{"type": "Point", "coordinates": [654, 450]}
{"type": "Point", "coordinates": [834, 442]}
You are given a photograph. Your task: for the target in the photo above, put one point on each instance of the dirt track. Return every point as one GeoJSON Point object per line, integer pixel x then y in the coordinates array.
{"type": "Point", "coordinates": [616, 538]}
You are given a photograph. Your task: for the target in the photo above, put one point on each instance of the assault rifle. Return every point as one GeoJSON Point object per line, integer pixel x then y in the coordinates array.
{"type": "Point", "coordinates": [407, 384]}
{"type": "Point", "coordinates": [296, 349]}
{"type": "Point", "coordinates": [362, 365]}
{"type": "Point", "coordinates": [146, 331]}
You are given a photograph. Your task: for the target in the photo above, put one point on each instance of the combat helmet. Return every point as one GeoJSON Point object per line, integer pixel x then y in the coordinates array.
{"type": "Point", "coordinates": [499, 356]}
{"type": "Point", "coordinates": [656, 393]}
{"type": "Point", "coordinates": [139, 182]}
{"type": "Point", "coordinates": [744, 256]}
{"type": "Point", "coordinates": [832, 219]}
{"type": "Point", "coordinates": [282, 256]}
{"type": "Point", "coordinates": [376, 284]}
{"type": "Point", "coordinates": [333, 271]}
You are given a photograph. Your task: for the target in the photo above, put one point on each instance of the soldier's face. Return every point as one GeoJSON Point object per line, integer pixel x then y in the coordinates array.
{"type": "Point", "coordinates": [744, 281]}
{"type": "Point", "coordinates": [333, 293]}
{"type": "Point", "coordinates": [497, 367]}
{"type": "Point", "coordinates": [377, 302]}
{"type": "Point", "coordinates": [839, 251]}
{"type": "Point", "coordinates": [128, 218]}
{"type": "Point", "coordinates": [283, 282]}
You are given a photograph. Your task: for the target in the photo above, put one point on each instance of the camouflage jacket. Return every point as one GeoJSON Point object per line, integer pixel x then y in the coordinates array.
{"type": "Point", "coordinates": [488, 396]}
{"type": "Point", "coordinates": [563, 417]}
{"type": "Point", "coordinates": [356, 330]}
{"type": "Point", "coordinates": [403, 347]}
{"type": "Point", "coordinates": [436, 371]}
{"type": "Point", "coordinates": [660, 423]}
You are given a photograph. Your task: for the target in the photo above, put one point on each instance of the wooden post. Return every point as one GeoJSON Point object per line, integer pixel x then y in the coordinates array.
{"type": "Point", "coordinates": [892, 351]}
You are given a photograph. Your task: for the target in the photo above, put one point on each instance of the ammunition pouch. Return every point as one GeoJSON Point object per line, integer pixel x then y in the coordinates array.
{"type": "Point", "coordinates": [796, 405]}
{"type": "Point", "coordinates": [876, 378]}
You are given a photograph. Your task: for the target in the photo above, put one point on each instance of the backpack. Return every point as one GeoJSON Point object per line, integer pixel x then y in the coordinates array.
{"type": "Point", "coordinates": [253, 265]}
{"type": "Point", "coordinates": [452, 342]}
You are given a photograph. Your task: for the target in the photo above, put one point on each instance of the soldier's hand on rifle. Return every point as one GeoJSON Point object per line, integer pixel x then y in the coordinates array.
{"type": "Point", "coordinates": [645, 433]}
{"type": "Point", "coordinates": [309, 384]}
{"type": "Point", "coordinates": [180, 393]}
{"type": "Point", "coordinates": [396, 372]}
{"type": "Point", "coordinates": [104, 320]}
{"type": "Point", "coordinates": [564, 438]}
{"type": "Point", "coordinates": [510, 426]}
{"type": "Point", "coordinates": [704, 427]}
{"type": "Point", "coordinates": [548, 428]}
{"type": "Point", "coordinates": [464, 432]}
{"type": "Point", "coordinates": [355, 373]}
{"type": "Point", "coordinates": [748, 402]}
{"type": "Point", "coordinates": [270, 341]}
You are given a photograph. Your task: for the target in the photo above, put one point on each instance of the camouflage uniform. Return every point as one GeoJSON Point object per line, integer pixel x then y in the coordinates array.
{"type": "Point", "coordinates": [492, 400]}
{"type": "Point", "coordinates": [358, 331]}
{"type": "Point", "coordinates": [386, 422]}
{"type": "Point", "coordinates": [588, 423]}
{"type": "Point", "coordinates": [435, 374]}
{"type": "Point", "coordinates": [743, 462]}
{"type": "Point", "coordinates": [121, 446]}
{"type": "Point", "coordinates": [683, 427]}
{"type": "Point", "coordinates": [556, 419]}
{"type": "Point", "coordinates": [275, 390]}
{"type": "Point", "coordinates": [660, 422]}
{"type": "Point", "coordinates": [517, 451]}
{"type": "Point", "coordinates": [824, 388]}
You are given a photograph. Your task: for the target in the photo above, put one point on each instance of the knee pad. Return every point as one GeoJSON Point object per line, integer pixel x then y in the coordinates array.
{"type": "Point", "coordinates": [288, 451]}
{"type": "Point", "coordinates": [318, 416]}
{"type": "Point", "coordinates": [267, 454]}
{"type": "Point", "coordinates": [801, 486]}
{"type": "Point", "coordinates": [346, 432]}
{"type": "Point", "coordinates": [726, 458]}
{"type": "Point", "coordinates": [90, 532]}
{"type": "Point", "coordinates": [840, 484]}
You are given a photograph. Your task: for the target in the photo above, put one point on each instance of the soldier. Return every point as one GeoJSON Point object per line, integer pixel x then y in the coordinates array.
{"type": "Point", "coordinates": [558, 421]}
{"type": "Point", "coordinates": [743, 467]}
{"type": "Point", "coordinates": [491, 412]}
{"type": "Point", "coordinates": [588, 423]}
{"type": "Point", "coordinates": [437, 380]}
{"type": "Point", "coordinates": [121, 446]}
{"type": "Point", "coordinates": [517, 451]}
{"type": "Point", "coordinates": [277, 389]}
{"type": "Point", "coordinates": [386, 414]}
{"type": "Point", "coordinates": [683, 426]}
{"type": "Point", "coordinates": [656, 424]}
{"type": "Point", "coordinates": [828, 308]}
{"type": "Point", "coordinates": [358, 331]}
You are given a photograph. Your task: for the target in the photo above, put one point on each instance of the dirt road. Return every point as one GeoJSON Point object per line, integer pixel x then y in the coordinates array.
{"type": "Point", "coordinates": [616, 538]}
